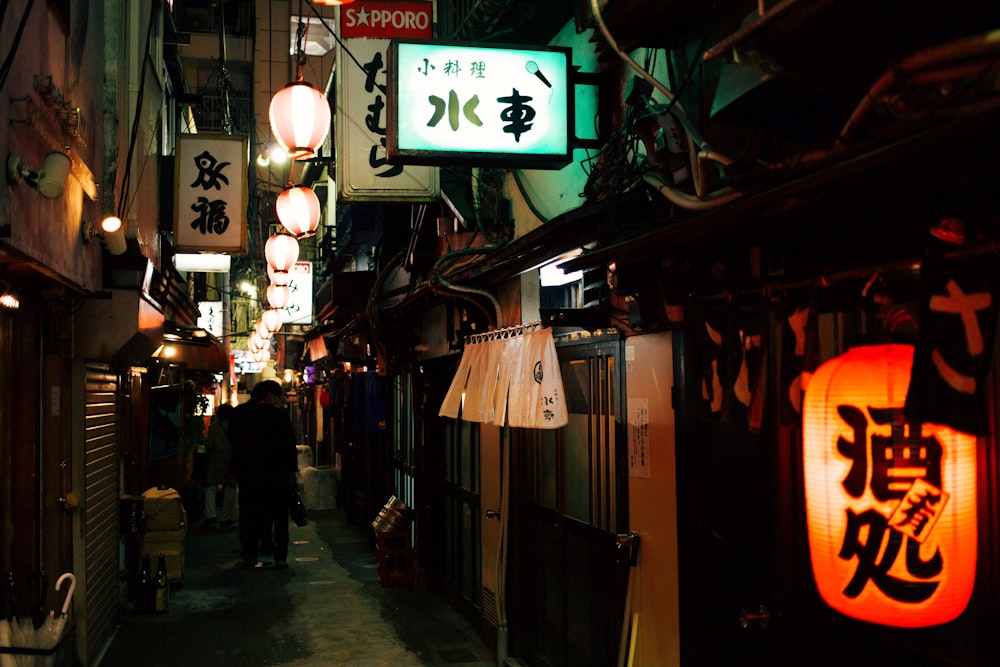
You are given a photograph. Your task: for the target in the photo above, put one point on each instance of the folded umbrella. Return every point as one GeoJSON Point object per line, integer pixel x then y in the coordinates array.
{"type": "Point", "coordinates": [56, 625]}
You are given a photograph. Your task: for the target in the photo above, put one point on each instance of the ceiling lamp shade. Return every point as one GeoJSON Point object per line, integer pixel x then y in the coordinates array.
{"type": "Point", "coordinates": [298, 210]}
{"type": "Point", "coordinates": [271, 319]}
{"type": "Point", "coordinates": [260, 356]}
{"type": "Point", "coordinates": [281, 251]}
{"type": "Point", "coordinates": [278, 296]}
{"type": "Point", "coordinates": [300, 119]}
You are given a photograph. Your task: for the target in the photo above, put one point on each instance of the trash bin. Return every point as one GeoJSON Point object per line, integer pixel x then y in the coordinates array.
{"type": "Point", "coordinates": [305, 459]}
{"type": "Point", "coordinates": [319, 488]}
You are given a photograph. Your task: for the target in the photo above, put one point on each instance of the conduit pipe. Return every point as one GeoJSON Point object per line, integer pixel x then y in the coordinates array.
{"type": "Point", "coordinates": [935, 56]}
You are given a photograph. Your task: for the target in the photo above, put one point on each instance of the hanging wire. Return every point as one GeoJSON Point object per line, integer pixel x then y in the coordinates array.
{"type": "Point", "coordinates": [226, 83]}
{"type": "Point", "coordinates": [122, 210]}
{"type": "Point", "coordinates": [9, 60]}
{"type": "Point", "coordinates": [335, 37]}
{"type": "Point", "coordinates": [300, 52]}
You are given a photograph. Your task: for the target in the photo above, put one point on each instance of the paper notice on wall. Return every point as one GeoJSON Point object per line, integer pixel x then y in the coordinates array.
{"type": "Point", "coordinates": [638, 437]}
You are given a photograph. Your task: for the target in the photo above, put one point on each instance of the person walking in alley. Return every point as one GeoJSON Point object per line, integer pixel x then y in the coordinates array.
{"type": "Point", "coordinates": [217, 475]}
{"type": "Point", "coordinates": [264, 462]}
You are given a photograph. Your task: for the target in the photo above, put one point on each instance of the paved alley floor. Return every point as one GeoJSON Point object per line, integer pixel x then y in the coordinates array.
{"type": "Point", "coordinates": [326, 609]}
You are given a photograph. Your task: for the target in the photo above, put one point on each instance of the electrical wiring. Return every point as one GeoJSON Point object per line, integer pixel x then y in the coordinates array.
{"type": "Point", "coordinates": [337, 38]}
{"type": "Point", "coordinates": [145, 160]}
{"type": "Point", "coordinates": [122, 209]}
{"type": "Point", "coordinates": [698, 148]}
{"type": "Point", "coordinates": [448, 285]}
{"type": "Point", "coordinates": [9, 60]}
{"type": "Point", "coordinates": [692, 131]}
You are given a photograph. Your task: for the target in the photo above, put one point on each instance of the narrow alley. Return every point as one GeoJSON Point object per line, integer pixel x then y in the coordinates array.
{"type": "Point", "coordinates": [326, 609]}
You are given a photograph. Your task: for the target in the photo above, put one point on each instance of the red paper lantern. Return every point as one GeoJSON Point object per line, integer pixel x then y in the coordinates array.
{"type": "Point", "coordinates": [300, 119]}
{"type": "Point", "coordinates": [890, 505]}
{"type": "Point", "coordinates": [278, 296]}
{"type": "Point", "coordinates": [280, 279]}
{"type": "Point", "coordinates": [271, 320]}
{"type": "Point", "coordinates": [297, 208]}
{"type": "Point", "coordinates": [255, 342]}
{"type": "Point", "coordinates": [262, 330]}
{"type": "Point", "coordinates": [281, 251]}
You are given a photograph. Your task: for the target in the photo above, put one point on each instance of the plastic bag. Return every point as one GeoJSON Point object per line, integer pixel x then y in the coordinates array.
{"type": "Point", "coordinates": [297, 508]}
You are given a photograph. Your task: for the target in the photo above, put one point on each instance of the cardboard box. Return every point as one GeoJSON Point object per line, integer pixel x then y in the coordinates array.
{"type": "Point", "coordinates": [163, 509]}
{"type": "Point", "coordinates": [169, 543]}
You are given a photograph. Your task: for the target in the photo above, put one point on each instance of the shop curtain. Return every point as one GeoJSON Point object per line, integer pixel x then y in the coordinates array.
{"type": "Point", "coordinates": [509, 375]}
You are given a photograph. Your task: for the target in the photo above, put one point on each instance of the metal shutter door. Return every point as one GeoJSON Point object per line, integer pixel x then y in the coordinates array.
{"type": "Point", "coordinates": [99, 523]}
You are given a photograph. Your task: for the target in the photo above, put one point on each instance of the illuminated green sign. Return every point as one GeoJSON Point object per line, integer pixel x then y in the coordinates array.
{"type": "Point", "coordinates": [480, 105]}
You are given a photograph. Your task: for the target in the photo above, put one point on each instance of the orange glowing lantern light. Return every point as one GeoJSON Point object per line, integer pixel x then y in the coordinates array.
{"type": "Point", "coordinates": [891, 512]}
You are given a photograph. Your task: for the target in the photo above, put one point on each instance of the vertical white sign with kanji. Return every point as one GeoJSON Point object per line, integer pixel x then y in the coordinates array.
{"type": "Point", "coordinates": [210, 317]}
{"type": "Point", "coordinates": [211, 195]}
{"type": "Point", "coordinates": [300, 305]}
{"type": "Point", "coordinates": [363, 174]}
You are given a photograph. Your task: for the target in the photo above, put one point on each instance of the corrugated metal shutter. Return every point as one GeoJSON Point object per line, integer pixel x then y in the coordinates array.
{"type": "Point", "coordinates": [100, 529]}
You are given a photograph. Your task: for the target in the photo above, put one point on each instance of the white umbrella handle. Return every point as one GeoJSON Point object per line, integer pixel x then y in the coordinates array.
{"type": "Point", "coordinates": [69, 593]}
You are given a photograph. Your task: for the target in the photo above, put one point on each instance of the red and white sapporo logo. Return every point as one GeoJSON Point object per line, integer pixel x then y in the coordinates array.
{"type": "Point", "coordinates": [387, 19]}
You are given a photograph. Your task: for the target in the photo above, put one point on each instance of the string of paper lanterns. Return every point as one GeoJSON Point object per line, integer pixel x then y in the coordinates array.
{"type": "Point", "coordinates": [300, 120]}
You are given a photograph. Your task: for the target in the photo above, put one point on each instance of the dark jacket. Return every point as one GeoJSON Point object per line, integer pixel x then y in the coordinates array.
{"type": "Point", "coordinates": [263, 443]}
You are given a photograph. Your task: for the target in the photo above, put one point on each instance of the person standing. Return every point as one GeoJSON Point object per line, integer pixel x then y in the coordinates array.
{"type": "Point", "coordinates": [264, 462]}
{"type": "Point", "coordinates": [217, 475]}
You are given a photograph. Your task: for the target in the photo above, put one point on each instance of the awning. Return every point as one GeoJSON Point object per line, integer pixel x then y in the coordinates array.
{"type": "Point", "coordinates": [194, 347]}
{"type": "Point", "coordinates": [119, 326]}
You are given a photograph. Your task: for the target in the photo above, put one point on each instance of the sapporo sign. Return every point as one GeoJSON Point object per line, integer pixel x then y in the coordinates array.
{"type": "Point", "coordinates": [480, 105]}
{"type": "Point", "coordinates": [412, 20]}
{"type": "Point", "coordinates": [890, 504]}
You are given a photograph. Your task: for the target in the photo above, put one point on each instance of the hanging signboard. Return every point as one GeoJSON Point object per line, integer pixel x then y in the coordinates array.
{"type": "Point", "coordinates": [476, 105]}
{"type": "Point", "coordinates": [210, 317]}
{"type": "Point", "coordinates": [300, 304]}
{"type": "Point", "coordinates": [211, 194]}
{"type": "Point", "coordinates": [890, 504]}
{"type": "Point", "coordinates": [363, 171]}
